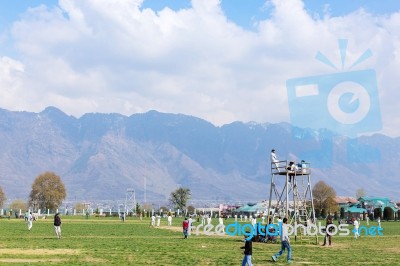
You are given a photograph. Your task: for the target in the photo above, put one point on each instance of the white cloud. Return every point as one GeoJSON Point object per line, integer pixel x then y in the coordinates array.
{"type": "Point", "coordinates": [112, 56]}
{"type": "Point", "coordinates": [11, 76]}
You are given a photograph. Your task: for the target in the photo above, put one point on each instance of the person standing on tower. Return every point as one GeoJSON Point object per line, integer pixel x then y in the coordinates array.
{"type": "Point", "coordinates": [274, 160]}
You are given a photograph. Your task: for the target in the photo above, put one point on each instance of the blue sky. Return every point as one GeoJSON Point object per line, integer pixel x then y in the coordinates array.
{"type": "Point", "coordinates": [240, 11]}
{"type": "Point", "coordinates": [222, 61]}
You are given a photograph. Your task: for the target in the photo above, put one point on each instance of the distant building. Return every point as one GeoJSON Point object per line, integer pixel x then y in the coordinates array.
{"type": "Point", "coordinates": [253, 208]}
{"type": "Point", "coordinates": [388, 208]}
{"type": "Point", "coordinates": [371, 206]}
{"type": "Point", "coordinates": [349, 207]}
{"type": "Point", "coordinates": [344, 200]}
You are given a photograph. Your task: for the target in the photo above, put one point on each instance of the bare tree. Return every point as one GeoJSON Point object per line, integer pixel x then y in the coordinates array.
{"type": "Point", "coordinates": [48, 191]}
{"type": "Point", "coordinates": [180, 197]}
{"type": "Point", "coordinates": [360, 193]}
{"type": "Point", "coordinates": [324, 196]}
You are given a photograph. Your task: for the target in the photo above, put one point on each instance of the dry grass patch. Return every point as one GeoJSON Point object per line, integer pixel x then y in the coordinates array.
{"type": "Point", "coordinates": [20, 251]}
{"type": "Point", "coordinates": [29, 260]}
{"type": "Point", "coordinates": [94, 260]}
{"type": "Point", "coordinates": [395, 250]}
{"type": "Point", "coordinates": [171, 228]}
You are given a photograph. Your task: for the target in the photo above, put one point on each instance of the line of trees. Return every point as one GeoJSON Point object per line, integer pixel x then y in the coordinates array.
{"type": "Point", "coordinates": [48, 192]}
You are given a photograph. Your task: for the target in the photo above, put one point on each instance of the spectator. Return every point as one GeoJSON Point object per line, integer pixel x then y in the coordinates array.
{"type": "Point", "coordinates": [355, 230]}
{"type": "Point", "coordinates": [158, 220]}
{"type": "Point", "coordinates": [57, 225]}
{"type": "Point", "coordinates": [169, 220]}
{"type": "Point", "coordinates": [328, 231]}
{"type": "Point", "coordinates": [248, 250]}
{"type": "Point", "coordinates": [185, 227]}
{"type": "Point", "coordinates": [30, 220]}
{"type": "Point", "coordinates": [285, 243]}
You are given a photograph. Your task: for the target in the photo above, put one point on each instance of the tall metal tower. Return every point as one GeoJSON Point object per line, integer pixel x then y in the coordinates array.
{"type": "Point", "coordinates": [291, 193]}
{"type": "Point", "coordinates": [130, 201]}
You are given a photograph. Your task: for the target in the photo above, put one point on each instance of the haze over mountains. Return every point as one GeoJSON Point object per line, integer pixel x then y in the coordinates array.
{"type": "Point", "coordinates": [99, 156]}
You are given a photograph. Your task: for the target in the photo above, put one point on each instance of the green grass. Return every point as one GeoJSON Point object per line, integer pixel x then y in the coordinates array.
{"type": "Point", "coordinates": [108, 241]}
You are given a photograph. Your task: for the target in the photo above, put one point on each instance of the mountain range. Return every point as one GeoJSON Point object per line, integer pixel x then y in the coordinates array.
{"type": "Point", "coordinates": [98, 156]}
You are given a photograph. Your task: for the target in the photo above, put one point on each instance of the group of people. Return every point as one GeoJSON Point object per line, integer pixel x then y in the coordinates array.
{"type": "Point", "coordinates": [292, 168]}
{"type": "Point", "coordinates": [248, 247]}
{"type": "Point", "coordinates": [156, 220]}
{"type": "Point", "coordinates": [57, 223]}
{"type": "Point", "coordinates": [285, 241]}
{"type": "Point", "coordinates": [285, 245]}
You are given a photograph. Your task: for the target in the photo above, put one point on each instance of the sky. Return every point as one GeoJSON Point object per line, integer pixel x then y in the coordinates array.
{"type": "Point", "coordinates": [222, 61]}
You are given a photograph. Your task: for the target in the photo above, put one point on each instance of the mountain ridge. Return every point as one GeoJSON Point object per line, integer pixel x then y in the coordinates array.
{"type": "Point", "coordinates": [99, 155]}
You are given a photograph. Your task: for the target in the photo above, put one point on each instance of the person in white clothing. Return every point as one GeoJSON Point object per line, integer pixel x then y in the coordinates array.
{"type": "Point", "coordinates": [30, 220]}
{"type": "Point", "coordinates": [274, 160]}
{"type": "Point", "coordinates": [355, 230]}
{"type": "Point", "coordinates": [190, 221]}
{"type": "Point", "coordinates": [169, 220]}
{"type": "Point", "coordinates": [253, 221]}
{"type": "Point", "coordinates": [158, 220]}
{"type": "Point", "coordinates": [153, 220]}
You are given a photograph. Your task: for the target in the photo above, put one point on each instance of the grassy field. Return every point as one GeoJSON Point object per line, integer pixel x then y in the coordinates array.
{"type": "Point", "coordinates": [109, 241]}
